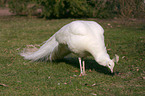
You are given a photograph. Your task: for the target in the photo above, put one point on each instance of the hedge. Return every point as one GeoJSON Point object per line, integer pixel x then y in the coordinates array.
{"type": "Point", "coordinates": [78, 8]}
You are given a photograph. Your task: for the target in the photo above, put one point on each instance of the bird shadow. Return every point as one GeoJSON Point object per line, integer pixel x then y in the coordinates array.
{"type": "Point", "coordinates": [90, 64]}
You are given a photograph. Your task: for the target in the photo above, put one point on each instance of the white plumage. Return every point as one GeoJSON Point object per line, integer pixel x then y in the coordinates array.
{"type": "Point", "coordinates": [82, 38]}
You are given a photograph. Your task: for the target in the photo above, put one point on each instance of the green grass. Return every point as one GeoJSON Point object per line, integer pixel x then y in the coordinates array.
{"type": "Point", "coordinates": [21, 77]}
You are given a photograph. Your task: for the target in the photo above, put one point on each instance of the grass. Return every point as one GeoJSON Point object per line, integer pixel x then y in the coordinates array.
{"type": "Point", "coordinates": [20, 77]}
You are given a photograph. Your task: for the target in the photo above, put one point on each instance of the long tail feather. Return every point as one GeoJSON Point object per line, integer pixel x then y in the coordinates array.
{"type": "Point", "coordinates": [44, 52]}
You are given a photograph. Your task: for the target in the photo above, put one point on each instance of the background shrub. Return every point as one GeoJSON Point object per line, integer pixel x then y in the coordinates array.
{"type": "Point", "coordinates": [64, 8]}
{"type": "Point", "coordinates": [79, 8]}
{"type": "Point", "coordinates": [102, 8]}
{"type": "Point", "coordinates": [3, 3]}
{"type": "Point", "coordinates": [112, 8]}
{"type": "Point", "coordinates": [131, 8]}
{"type": "Point", "coordinates": [23, 7]}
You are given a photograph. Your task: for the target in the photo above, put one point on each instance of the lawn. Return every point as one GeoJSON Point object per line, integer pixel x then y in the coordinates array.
{"type": "Point", "coordinates": [18, 77]}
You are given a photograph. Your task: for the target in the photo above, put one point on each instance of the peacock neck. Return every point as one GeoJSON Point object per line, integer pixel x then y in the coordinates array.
{"type": "Point", "coordinates": [102, 58]}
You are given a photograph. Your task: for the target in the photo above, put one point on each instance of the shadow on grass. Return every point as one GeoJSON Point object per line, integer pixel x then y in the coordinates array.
{"type": "Point", "coordinates": [89, 64]}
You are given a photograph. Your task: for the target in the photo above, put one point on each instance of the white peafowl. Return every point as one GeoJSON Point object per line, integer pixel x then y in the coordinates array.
{"type": "Point", "coordinates": [82, 38]}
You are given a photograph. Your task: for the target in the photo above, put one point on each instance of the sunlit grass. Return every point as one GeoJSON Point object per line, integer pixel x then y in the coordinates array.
{"type": "Point", "coordinates": [61, 78]}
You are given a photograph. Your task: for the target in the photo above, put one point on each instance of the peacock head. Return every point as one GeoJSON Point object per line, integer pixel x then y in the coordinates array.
{"type": "Point", "coordinates": [110, 65]}
{"type": "Point", "coordinates": [112, 62]}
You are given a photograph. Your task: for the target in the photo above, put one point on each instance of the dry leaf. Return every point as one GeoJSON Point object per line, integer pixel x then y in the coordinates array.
{"type": "Point", "coordinates": [65, 83]}
{"type": "Point", "coordinates": [3, 85]}
{"type": "Point", "coordinates": [71, 77]}
{"type": "Point", "coordinates": [19, 81]}
{"type": "Point", "coordinates": [49, 77]}
{"type": "Point", "coordinates": [75, 71]}
{"type": "Point", "coordinates": [94, 84]}
{"type": "Point", "coordinates": [90, 70]}
{"type": "Point", "coordinates": [123, 57]}
{"type": "Point", "coordinates": [74, 75]}
{"type": "Point", "coordinates": [94, 94]}
{"type": "Point", "coordinates": [18, 49]}
{"type": "Point", "coordinates": [108, 49]}
{"type": "Point", "coordinates": [108, 24]}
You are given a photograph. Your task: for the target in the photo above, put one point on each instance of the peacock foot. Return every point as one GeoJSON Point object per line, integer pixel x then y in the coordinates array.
{"type": "Point", "coordinates": [82, 74]}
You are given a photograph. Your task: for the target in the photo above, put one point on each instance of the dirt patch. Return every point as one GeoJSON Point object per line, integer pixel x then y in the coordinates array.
{"type": "Point", "coordinates": [5, 12]}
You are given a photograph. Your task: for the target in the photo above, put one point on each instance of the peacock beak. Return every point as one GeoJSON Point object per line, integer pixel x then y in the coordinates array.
{"type": "Point", "coordinates": [111, 70]}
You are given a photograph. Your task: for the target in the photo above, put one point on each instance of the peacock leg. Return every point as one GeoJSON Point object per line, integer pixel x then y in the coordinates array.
{"type": "Point", "coordinates": [84, 73]}
{"type": "Point", "coordinates": [80, 61]}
